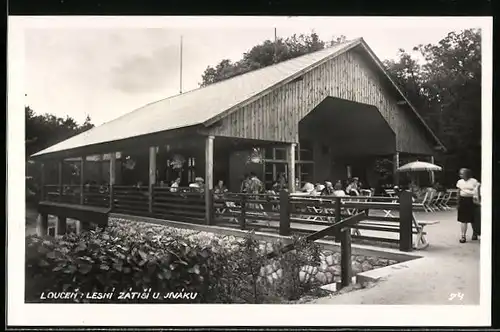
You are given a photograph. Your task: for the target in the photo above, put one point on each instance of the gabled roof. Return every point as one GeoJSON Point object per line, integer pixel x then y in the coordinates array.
{"type": "Point", "coordinates": [204, 106]}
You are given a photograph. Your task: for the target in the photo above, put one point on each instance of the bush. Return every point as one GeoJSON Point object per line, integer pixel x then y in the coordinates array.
{"type": "Point", "coordinates": [137, 257]}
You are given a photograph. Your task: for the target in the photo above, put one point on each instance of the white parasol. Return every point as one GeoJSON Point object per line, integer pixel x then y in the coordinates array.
{"type": "Point", "coordinates": [419, 166]}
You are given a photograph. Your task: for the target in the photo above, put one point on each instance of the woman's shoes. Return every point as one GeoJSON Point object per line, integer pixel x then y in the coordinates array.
{"type": "Point", "coordinates": [474, 237]}
{"type": "Point", "coordinates": [462, 239]}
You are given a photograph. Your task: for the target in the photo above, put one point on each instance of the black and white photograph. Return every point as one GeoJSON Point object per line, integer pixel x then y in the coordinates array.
{"type": "Point", "coordinates": [189, 168]}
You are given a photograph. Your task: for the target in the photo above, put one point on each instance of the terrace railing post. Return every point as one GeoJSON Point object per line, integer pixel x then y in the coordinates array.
{"type": "Point", "coordinates": [42, 224]}
{"type": "Point", "coordinates": [112, 177]}
{"type": "Point", "coordinates": [42, 182]}
{"type": "Point", "coordinates": [243, 204]}
{"type": "Point", "coordinates": [209, 175]}
{"type": "Point", "coordinates": [210, 206]}
{"type": "Point", "coordinates": [285, 208]}
{"type": "Point", "coordinates": [406, 221]}
{"type": "Point", "coordinates": [345, 257]}
{"type": "Point", "coordinates": [338, 215]}
{"type": "Point", "coordinates": [152, 176]}
{"type": "Point", "coordinates": [395, 164]}
{"type": "Point", "coordinates": [290, 155]}
{"type": "Point", "coordinates": [82, 180]}
{"type": "Point", "coordinates": [61, 225]}
{"type": "Point", "coordinates": [60, 179]}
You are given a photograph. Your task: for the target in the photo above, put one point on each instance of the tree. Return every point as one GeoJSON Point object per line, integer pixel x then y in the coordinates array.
{"type": "Point", "coordinates": [42, 131]}
{"type": "Point", "coordinates": [446, 89]}
{"type": "Point", "coordinates": [45, 130]}
{"type": "Point", "coordinates": [267, 53]}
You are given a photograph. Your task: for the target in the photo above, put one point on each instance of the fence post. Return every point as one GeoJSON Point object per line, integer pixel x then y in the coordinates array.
{"type": "Point", "coordinates": [405, 221]}
{"type": "Point", "coordinates": [210, 207]}
{"type": "Point", "coordinates": [284, 213]}
{"type": "Point", "coordinates": [60, 179]}
{"type": "Point", "coordinates": [111, 197]}
{"type": "Point", "coordinates": [338, 217]}
{"type": "Point", "coordinates": [345, 257]}
{"type": "Point", "coordinates": [82, 179]}
{"type": "Point", "coordinates": [42, 181]}
{"type": "Point", "coordinates": [243, 204]}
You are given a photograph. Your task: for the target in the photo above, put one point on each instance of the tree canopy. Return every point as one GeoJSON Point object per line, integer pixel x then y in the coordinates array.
{"type": "Point", "coordinates": [444, 82]}
{"type": "Point", "coordinates": [44, 130]}
{"type": "Point", "coordinates": [267, 53]}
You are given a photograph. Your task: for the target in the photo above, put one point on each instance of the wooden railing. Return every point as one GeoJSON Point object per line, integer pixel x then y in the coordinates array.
{"type": "Point", "coordinates": [130, 200]}
{"type": "Point", "coordinates": [288, 214]}
{"type": "Point", "coordinates": [183, 204]}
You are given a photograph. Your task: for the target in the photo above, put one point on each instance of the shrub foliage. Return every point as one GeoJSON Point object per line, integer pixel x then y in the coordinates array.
{"type": "Point", "coordinates": [139, 257]}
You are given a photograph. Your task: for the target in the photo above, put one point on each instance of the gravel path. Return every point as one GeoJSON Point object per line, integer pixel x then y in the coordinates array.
{"type": "Point", "coordinates": [447, 267]}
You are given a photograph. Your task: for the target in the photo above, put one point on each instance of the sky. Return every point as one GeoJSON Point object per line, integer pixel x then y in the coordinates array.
{"type": "Point", "coordinates": [106, 67]}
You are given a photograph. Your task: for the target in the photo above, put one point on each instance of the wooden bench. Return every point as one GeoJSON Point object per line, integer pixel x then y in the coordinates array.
{"type": "Point", "coordinates": [86, 215]}
{"type": "Point", "coordinates": [386, 225]}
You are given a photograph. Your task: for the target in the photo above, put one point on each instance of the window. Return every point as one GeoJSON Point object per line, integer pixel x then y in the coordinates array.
{"type": "Point", "coordinates": [191, 170]}
{"type": "Point", "coordinates": [280, 154]}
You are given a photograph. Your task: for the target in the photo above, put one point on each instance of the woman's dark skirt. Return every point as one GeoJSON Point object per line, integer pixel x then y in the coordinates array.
{"type": "Point", "coordinates": [466, 210]}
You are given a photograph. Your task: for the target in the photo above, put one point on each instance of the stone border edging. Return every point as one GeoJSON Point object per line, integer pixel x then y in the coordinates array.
{"type": "Point", "coordinates": [365, 250]}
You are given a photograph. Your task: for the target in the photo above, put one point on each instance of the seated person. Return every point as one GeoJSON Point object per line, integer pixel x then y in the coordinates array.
{"type": "Point", "coordinates": [174, 187]}
{"type": "Point", "coordinates": [338, 191]}
{"type": "Point", "coordinates": [198, 185]}
{"type": "Point", "coordinates": [318, 189]}
{"type": "Point", "coordinates": [353, 187]}
{"type": "Point", "coordinates": [328, 190]}
{"type": "Point", "coordinates": [220, 188]}
{"type": "Point", "coordinates": [308, 187]}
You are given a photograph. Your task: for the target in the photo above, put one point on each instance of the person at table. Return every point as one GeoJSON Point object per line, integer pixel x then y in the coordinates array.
{"type": "Point", "coordinates": [328, 190]}
{"type": "Point", "coordinates": [174, 187]}
{"type": "Point", "coordinates": [467, 188]}
{"type": "Point", "coordinates": [220, 188]}
{"type": "Point", "coordinates": [255, 186]}
{"type": "Point", "coordinates": [308, 187]}
{"type": "Point", "coordinates": [318, 188]}
{"type": "Point", "coordinates": [198, 185]}
{"type": "Point", "coordinates": [338, 191]}
{"type": "Point", "coordinates": [353, 187]}
{"type": "Point", "coordinates": [245, 184]}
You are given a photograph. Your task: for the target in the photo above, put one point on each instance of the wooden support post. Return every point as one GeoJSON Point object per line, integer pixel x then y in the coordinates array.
{"type": "Point", "coordinates": [82, 180]}
{"type": "Point", "coordinates": [100, 163]}
{"type": "Point", "coordinates": [112, 178]}
{"type": "Point", "coordinates": [395, 164]}
{"type": "Point", "coordinates": [338, 216]}
{"type": "Point", "coordinates": [42, 224]}
{"type": "Point", "coordinates": [152, 175]}
{"type": "Point", "coordinates": [243, 211]}
{"type": "Point", "coordinates": [60, 179]}
{"type": "Point", "coordinates": [61, 225]}
{"type": "Point", "coordinates": [284, 213]}
{"type": "Point", "coordinates": [345, 257]}
{"type": "Point", "coordinates": [405, 221]}
{"type": "Point", "coordinates": [432, 174]}
{"type": "Point", "coordinates": [209, 178]}
{"type": "Point", "coordinates": [291, 167]}
{"type": "Point", "coordinates": [42, 183]}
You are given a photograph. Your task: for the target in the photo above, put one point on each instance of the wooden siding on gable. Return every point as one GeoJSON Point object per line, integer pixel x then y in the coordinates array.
{"type": "Point", "coordinates": [276, 116]}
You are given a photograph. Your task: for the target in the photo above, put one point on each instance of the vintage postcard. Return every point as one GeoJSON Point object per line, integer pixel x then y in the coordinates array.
{"type": "Point", "coordinates": [338, 168]}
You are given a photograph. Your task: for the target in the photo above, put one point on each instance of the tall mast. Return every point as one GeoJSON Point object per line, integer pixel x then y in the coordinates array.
{"type": "Point", "coordinates": [180, 78]}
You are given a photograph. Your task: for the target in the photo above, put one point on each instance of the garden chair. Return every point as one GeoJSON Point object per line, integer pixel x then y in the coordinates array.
{"type": "Point", "coordinates": [423, 203]}
{"type": "Point", "coordinates": [432, 202]}
{"type": "Point", "coordinates": [452, 198]}
{"type": "Point", "coordinates": [447, 197]}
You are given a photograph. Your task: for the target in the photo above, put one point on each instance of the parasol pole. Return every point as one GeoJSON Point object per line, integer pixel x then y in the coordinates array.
{"type": "Point", "coordinates": [432, 175]}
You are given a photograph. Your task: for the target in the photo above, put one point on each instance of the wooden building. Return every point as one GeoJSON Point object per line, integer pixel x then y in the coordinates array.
{"type": "Point", "coordinates": [322, 116]}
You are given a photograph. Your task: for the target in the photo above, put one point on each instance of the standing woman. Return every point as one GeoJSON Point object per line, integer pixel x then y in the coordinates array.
{"type": "Point", "coordinates": [467, 187]}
